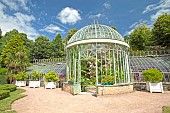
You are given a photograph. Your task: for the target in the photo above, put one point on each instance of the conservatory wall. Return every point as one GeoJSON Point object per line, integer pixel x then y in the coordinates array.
{"type": "Point", "coordinates": [91, 62]}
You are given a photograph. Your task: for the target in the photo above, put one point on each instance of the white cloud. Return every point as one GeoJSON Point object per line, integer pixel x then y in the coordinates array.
{"type": "Point", "coordinates": [16, 4]}
{"type": "Point", "coordinates": [21, 22]}
{"type": "Point", "coordinates": [95, 16]}
{"type": "Point", "coordinates": [133, 25]}
{"type": "Point", "coordinates": [52, 29]}
{"type": "Point", "coordinates": [128, 32]}
{"type": "Point", "coordinates": [162, 7]}
{"type": "Point", "coordinates": [158, 13]}
{"type": "Point", "coordinates": [107, 5]}
{"type": "Point", "coordinates": [69, 15]}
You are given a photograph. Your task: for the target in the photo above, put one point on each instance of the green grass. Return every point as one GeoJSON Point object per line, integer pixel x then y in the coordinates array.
{"type": "Point", "coordinates": [5, 104]}
{"type": "Point", "coordinates": [166, 109]}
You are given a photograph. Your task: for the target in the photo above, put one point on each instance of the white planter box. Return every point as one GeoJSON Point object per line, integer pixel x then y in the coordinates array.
{"type": "Point", "coordinates": [20, 83]}
{"type": "Point", "coordinates": [154, 87]}
{"type": "Point", "coordinates": [50, 85]}
{"type": "Point", "coordinates": [34, 84]}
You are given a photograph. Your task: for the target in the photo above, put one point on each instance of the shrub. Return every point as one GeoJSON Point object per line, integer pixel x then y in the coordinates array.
{"type": "Point", "coordinates": [152, 75]}
{"type": "Point", "coordinates": [35, 75]}
{"type": "Point", "coordinates": [3, 76]}
{"type": "Point", "coordinates": [4, 94]}
{"type": "Point", "coordinates": [10, 87]}
{"type": "Point", "coordinates": [3, 71]}
{"type": "Point", "coordinates": [22, 76]}
{"type": "Point", "coordinates": [3, 79]}
{"type": "Point", "coordinates": [108, 78]}
{"type": "Point", "coordinates": [51, 77]}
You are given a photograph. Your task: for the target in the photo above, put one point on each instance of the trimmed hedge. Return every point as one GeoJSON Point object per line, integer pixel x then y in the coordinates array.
{"type": "Point", "coordinates": [10, 87]}
{"type": "Point", "coordinates": [4, 94]}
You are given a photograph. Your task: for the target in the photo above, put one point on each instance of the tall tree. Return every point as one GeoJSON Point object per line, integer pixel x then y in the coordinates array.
{"type": "Point", "coordinates": [71, 32]}
{"type": "Point", "coordinates": [161, 30]}
{"type": "Point", "coordinates": [141, 37]}
{"type": "Point", "coordinates": [127, 39]}
{"type": "Point", "coordinates": [58, 47]}
{"type": "Point", "coordinates": [14, 55]}
{"type": "Point", "coordinates": [4, 40]}
{"type": "Point", "coordinates": [0, 33]}
{"type": "Point", "coordinates": [42, 48]}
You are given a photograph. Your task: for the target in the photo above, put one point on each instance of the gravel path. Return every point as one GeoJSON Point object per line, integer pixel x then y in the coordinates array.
{"type": "Point", "coordinates": [40, 100]}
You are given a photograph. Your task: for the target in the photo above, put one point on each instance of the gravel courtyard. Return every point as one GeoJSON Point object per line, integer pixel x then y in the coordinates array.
{"type": "Point", "coordinates": [40, 100]}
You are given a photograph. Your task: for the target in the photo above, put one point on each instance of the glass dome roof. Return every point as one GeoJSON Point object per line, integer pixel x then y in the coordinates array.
{"type": "Point", "coordinates": [95, 31]}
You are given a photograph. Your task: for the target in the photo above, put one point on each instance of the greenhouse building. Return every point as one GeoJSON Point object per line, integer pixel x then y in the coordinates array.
{"type": "Point", "coordinates": [98, 56]}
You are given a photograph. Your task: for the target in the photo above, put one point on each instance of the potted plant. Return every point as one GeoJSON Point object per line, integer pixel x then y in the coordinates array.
{"type": "Point", "coordinates": [50, 79]}
{"type": "Point", "coordinates": [108, 80]}
{"type": "Point", "coordinates": [71, 80]}
{"type": "Point", "coordinates": [35, 79]}
{"type": "Point", "coordinates": [153, 78]}
{"type": "Point", "coordinates": [21, 79]}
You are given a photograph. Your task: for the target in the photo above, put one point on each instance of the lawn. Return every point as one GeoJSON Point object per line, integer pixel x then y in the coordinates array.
{"type": "Point", "coordinates": [166, 109]}
{"type": "Point", "coordinates": [5, 104]}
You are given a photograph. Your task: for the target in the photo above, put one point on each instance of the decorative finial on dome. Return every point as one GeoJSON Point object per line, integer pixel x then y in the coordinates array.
{"type": "Point", "coordinates": [95, 21]}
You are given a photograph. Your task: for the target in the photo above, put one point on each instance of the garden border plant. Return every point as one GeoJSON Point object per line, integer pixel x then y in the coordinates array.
{"type": "Point", "coordinates": [21, 78]}
{"type": "Point", "coordinates": [108, 80]}
{"type": "Point", "coordinates": [153, 78]}
{"type": "Point", "coordinates": [35, 79]}
{"type": "Point", "coordinates": [50, 79]}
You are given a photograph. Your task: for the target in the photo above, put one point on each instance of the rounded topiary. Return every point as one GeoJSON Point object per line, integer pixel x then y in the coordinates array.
{"type": "Point", "coordinates": [51, 77]}
{"type": "Point", "coordinates": [10, 87]}
{"type": "Point", "coordinates": [35, 75]}
{"type": "Point", "coordinates": [22, 76]}
{"type": "Point", "coordinates": [4, 94]}
{"type": "Point", "coordinates": [152, 75]}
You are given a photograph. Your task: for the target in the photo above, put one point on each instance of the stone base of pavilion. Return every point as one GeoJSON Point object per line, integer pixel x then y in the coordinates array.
{"type": "Point", "coordinates": [101, 89]}
{"type": "Point", "coordinates": [71, 88]}
{"type": "Point", "coordinates": [114, 89]}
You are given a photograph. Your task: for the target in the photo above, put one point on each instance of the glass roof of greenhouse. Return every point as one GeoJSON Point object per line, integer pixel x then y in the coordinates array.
{"type": "Point", "coordinates": [95, 31]}
{"type": "Point", "coordinates": [46, 67]}
{"type": "Point", "coordinates": [138, 64]}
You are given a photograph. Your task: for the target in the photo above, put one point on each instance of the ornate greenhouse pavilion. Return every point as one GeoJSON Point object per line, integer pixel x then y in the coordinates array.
{"type": "Point", "coordinates": [95, 52]}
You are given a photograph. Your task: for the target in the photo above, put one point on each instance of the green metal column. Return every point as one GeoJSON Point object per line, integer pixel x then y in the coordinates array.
{"type": "Point", "coordinates": [96, 68]}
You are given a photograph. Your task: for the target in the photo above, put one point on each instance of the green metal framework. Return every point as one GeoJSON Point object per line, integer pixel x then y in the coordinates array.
{"type": "Point", "coordinates": [102, 50]}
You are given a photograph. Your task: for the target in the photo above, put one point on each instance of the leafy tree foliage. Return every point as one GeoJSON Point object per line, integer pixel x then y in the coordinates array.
{"type": "Point", "coordinates": [6, 38]}
{"type": "Point", "coordinates": [127, 39]}
{"type": "Point", "coordinates": [14, 55]}
{"type": "Point", "coordinates": [140, 38]}
{"type": "Point", "coordinates": [113, 27]}
{"type": "Point", "coordinates": [71, 32]}
{"type": "Point", "coordinates": [0, 33]}
{"type": "Point", "coordinates": [42, 48]}
{"type": "Point", "coordinates": [161, 30]}
{"type": "Point", "coordinates": [58, 47]}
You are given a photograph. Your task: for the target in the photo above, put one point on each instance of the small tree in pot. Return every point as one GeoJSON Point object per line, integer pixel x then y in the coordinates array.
{"type": "Point", "coordinates": [108, 80]}
{"type": "Point", "coordinates": [50, 79]}
{"type": "Point", "coordinates": [153, 78]}
{"type": "Point", "coordinates": [35, 79]}
{"type": "Point", "coordinates": [21, 79]}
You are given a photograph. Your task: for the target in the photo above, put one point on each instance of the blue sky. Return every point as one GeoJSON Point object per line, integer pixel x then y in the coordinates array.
{"type": "Point", "coordinates": [49, 17]}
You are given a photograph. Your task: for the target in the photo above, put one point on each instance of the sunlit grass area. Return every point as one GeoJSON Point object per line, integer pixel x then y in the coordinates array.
{"type": "Point", "coordinates": [5, 104]}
